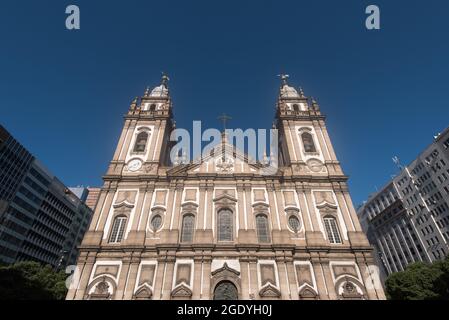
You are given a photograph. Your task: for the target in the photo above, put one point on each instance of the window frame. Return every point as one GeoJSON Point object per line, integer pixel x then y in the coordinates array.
{"type": "Point", "coordinates": [182, 238]}
{"type": "Point", "coordinates": [267, 227]}
{"type": "Point", "coordinates": [334, 236]}
{"type": "Point", "coordinates": [231, 225]}
{"type": "Point", "coordinates": [117, 236]}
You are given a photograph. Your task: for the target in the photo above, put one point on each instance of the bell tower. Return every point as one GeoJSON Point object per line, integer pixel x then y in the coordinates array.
{"type": "Point", "coordinates": [304, 143]}
{"type": "Point", "coordinates": [145, 138]}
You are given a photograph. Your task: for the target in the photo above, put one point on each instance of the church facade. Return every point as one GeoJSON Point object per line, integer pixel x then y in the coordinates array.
{"type": "Point", "coordinates": [219, 228]}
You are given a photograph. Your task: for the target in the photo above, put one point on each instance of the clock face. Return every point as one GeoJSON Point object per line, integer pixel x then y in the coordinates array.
{"type": "Point", "coordinates": [315, 165]}
{"type": "Point", "coordinates": [134, 165]}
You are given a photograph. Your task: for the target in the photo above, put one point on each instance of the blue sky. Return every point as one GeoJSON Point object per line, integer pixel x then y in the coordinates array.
{"type": "Point", "coordinates": [63, 93]}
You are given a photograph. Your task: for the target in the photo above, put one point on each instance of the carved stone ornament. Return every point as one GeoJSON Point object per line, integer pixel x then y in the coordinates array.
{"type": "Point", "coordinates": [226, 269]}
{"type": "Point", "coordinates": [181, 291]}
{"type": "Point", "coordinates": [269, 291]}
{"type": "Point", "coordinates": [101, 291]}
{"type": "Point", "coordinates": [315, 165]}
{"type": "Point", "coordinates": [150, 167]}
{"type": "Point", "coordinates": [225, 165]}
{"type": "Point", "coordinates": [307, 293]}
{"type": "Point", "coordinates": [143, 293]}
{"type": "Point", "coordinates": [324, 197]}
{"type": "Point", "coordinates": [350, 291]}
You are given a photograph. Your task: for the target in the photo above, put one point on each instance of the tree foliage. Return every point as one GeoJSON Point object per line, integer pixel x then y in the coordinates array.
{"type": "Point", "coordinates": [31, 281]}
{"type": "Point", "coordinates": [420, 281]}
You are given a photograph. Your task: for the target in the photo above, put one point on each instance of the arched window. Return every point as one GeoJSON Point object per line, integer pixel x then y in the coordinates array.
{"type": "Point", "coordinates": [307, 141]}
{"type": "Point", "coordinates": [330, 224]}
{"type": "Point", "coordinates": [226, 290]}
{"type": "Point", "coordinates": [296, 107]}
{"type": "Point", "coordinates": [153, 107]}
{"type": "Point", "coordinates": [263, 230]}
{"type": "Point", "coordinates": [156, 222]}
{"type": "Point", "coordinates": [141, 142]}
{"type": "Point", "coordinates": [294, 224]}
{"type": "Point", "coordinates": [118, 229]}
{"type": "Point", "coordinates": [225, 225]}
{"type": "Point", "coordinates": [188, 226]}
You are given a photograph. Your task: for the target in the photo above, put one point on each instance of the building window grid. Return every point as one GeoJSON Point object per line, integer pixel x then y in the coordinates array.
{"type": "Point", "coordinates": [118, 229]}
{"type": "Point", "coordinates": [263, 230]}
{"type": "Point", "coordinates": [331, 227]}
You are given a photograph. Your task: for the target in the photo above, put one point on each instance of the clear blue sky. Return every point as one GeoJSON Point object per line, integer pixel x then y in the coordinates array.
{"type": "Point", "coordinates": [63, 93]}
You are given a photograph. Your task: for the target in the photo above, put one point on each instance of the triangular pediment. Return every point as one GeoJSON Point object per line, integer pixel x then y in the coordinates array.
{"type": "Point", "coordinates": [270, 291]}
{"type": "Point", "coordinates": [181, 291]}
{"type": "Point", "coordinates": [224, 159]}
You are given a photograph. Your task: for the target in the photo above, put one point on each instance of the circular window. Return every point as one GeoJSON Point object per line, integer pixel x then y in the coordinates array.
{"type": "Point", "coordinates": [156, 222]}
{"type": "Point", "coordinates": [294, 224]}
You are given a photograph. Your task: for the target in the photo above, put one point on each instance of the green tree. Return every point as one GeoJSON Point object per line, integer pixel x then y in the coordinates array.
{"type": "Point", "coordinates": [420, 281]}
{"type": "Point", "coordinates": [31, 281]}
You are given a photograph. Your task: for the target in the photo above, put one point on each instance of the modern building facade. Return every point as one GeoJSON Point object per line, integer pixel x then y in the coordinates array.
{"type": "Point", "coordinates": [222, 228]}
{"type": "Point", "coordinates": [40, 218]}
{"type": "Point", "coordinates": [81, 192]}
{"type": "Point", "coordinates": [408, 220]}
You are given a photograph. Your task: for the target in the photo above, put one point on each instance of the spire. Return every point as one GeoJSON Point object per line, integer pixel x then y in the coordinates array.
{"type": "Point", "coordinates": [315, 105]}
{"type": "Point", "coordinates": [284, 78]}
{"type": "Point", "coordinates": [165, 80]}
{"type": "Point", "coordinates": [133, 105]}
{"type": "Point", "coordinates": [224, 118]}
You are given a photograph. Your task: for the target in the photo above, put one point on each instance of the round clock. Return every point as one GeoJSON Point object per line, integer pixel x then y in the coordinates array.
{"type": "Point", "coordinates": [134, 165]}
{"type": "Point", "coordinates": [315, 165]}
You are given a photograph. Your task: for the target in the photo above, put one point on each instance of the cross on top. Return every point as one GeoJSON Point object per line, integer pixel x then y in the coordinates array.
{"type": "Point", "coordinates": [224, 118]}
{"type": "Point", "coordinates": [284, 78]}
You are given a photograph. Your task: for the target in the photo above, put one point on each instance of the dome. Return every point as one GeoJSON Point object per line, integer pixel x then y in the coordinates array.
{"type": "Point", "coordinates": [289, 92]}
{"type": "Point", "coordinates": [160, 91]}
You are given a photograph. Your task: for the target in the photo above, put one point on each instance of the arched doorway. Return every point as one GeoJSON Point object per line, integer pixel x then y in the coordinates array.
{"type": "Point", "coordinates": [226, 290]}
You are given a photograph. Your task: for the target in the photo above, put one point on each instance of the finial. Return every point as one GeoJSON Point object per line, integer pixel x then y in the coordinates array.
{"type": "Point", "coordinates": [147, 92]}
{"type": "Point", "coordinates": [284, 78]}
{"type": "Point", "coordinates": [315, 104]}
{"type": "Point", "coordinates": [301, 92]}
{"type": "Point", "coordinates": [224, 118]}
{"type": "Point", "coordinates": [165, 80]}
{"type": "Point", "coordinates": [133, 104]}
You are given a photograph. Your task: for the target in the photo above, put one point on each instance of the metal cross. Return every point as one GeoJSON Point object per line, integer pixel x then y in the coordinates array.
{"type": "Point", "coordinates": [224, 118]}
{"type": "Point", "coordinates": [284, 78]}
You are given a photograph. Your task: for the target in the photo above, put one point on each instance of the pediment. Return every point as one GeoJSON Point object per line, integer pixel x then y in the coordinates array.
{"type": "Point", "coordinates": [225, 198]}
{"type": "Point", "coordinates": [182, 291]}
{"type": "Point", "coordinates": [327, 207]}
{"type": "Point", "coordinates": [307, 292]}
{"type": "Point", "coordinates": [224, 159]}
{"type": "Point", "coordinates": [270, 291]}
{"type": "Point", "coordinates": [225, 269]}
{"type": "Point", "coordinates": [143, 293]}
